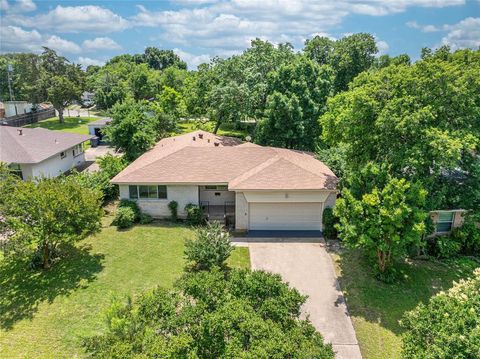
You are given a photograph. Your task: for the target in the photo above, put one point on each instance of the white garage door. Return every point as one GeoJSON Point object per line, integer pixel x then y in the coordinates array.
{"type": "Point", "coordinates": [286, 216]}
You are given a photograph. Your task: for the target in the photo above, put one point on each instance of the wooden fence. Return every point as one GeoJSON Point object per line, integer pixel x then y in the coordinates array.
{"type": "Point", "coordinates": [28, 118]}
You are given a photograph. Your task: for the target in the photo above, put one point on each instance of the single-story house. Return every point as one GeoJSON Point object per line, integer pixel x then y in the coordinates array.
{"type": "Point", "coordinates": [35, 152]}
{"type": "Point", "coordinates": [95, 128]}
{"type": "Point", "coordinates": [251, 186]}
{"type": "Point", "coordinates": [446, 220]}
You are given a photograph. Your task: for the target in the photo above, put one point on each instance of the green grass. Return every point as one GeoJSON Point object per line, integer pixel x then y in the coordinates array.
{"type": "Point", "coordinates": [46, 314]}
{"type": "Point", "coordinates": [71, 124]}
{"type": "Point", "coordinates": [377, 307]}
{"type": "Point", "coordinates": [224, 130]}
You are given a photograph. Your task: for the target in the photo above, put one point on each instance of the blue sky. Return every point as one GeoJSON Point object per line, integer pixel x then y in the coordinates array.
{"type": "Point", "coordinates": [90, 32]}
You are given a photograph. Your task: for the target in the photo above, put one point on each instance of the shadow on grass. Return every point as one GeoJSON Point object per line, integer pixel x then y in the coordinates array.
{"type": "Point", "coordinates": [22, 289]}
{"type": "Point", "coordinates": [385, 304]}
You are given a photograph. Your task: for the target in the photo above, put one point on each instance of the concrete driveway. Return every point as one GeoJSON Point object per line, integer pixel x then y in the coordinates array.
{"type": "Point", "coordinates": [306, 265]}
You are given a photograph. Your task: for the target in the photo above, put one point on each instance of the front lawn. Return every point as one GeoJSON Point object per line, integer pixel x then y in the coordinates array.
{"type": "Point", "coordinates": [45, 314]}
{"type": "Point", "coordinates": [376, 307]}
{"type": "Point", "coordinates": [71, 124]}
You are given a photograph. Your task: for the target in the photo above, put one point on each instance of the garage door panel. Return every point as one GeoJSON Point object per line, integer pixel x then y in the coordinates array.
{"type": "Point", "coordinates": [286, 216]}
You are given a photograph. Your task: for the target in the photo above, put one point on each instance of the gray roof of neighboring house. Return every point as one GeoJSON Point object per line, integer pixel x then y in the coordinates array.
{"type": "Point", "coordinates": [34, 145]}
{"type": "Point", "coordinates": [102, 122]}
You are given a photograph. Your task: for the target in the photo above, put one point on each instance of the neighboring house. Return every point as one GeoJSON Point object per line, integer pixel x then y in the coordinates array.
{"type": "Point", "coordinates": [13, 108]}
{"type": "Point", "coordinates": [95, 128]}
{"type": "Point", "coordinates": [252, 187]}
{"type": "Point", "coordinates": [34, 152]}
{"type": "Point", "coordinates": [446, 220]}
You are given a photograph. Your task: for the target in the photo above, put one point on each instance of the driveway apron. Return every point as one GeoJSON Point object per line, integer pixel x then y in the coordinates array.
{"type": "Point", "coordinates": [307, 266]}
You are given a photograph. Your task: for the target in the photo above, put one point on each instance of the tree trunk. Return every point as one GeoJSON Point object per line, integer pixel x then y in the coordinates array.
{"type": "Point", "coordinates": [46, 256]}
{"type": "Point", "coordinates": [60, 115]}
{"type": "Point", "coordinates": [217, 126]}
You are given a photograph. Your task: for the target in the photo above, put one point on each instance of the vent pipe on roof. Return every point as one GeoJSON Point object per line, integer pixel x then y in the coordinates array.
{"type": "Point", "coordinates": [20, 132]}
{"type": "Point", "coordinates": [216, 144]}
{"type": "Point", "coordinates": [208, 140]}
{"type": "Point", "coordinates": [200, 135]}
{"type": "Point", "coordinates": [194, 138]}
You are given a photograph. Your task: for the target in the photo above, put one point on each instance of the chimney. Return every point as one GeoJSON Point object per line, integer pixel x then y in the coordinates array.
{"type": "Point", "coordinates": [20, 132]}
{"type": "Point", "coordinates": [200, 135]}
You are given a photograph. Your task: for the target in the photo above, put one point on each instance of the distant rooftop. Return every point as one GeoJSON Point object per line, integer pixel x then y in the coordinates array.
{"type": "Point", "coordinates": [33, 145]}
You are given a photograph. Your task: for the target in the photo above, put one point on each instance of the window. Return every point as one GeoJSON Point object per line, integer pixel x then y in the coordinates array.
{"type": "Point", "coordinates": [133, 192]}
{"type": "Point", "coordinates": [63, 154]}
{"type": "Point", "coordinates": [77, 150]}
{"type": "Point", "coordinates": [162, 192]}
{"type": "Point", "coordinates": [16, 169]}
{"type": "Point", "coordinates": [216, 188]}
{"type": "Point", "coordinates": [445, 221]}
{"type": "Point", "coordinates": [147, 192]}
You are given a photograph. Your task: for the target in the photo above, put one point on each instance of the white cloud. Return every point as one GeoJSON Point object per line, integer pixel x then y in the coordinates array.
{"type": "Point", "coordinates": [16, 39]}
{"type": "Point", "coordinates": [89, 18]}
{"type": "Point", "coordinates": [86, 61]}
{"type": "Point", "coordinates": [61, 45]}
{"type": "Point", "coordinates": [101, 43]}
{"type": "Point", "coordinates": [382, 46]}
{"type": "Point", "coordinates": [192, 60]}
{"type": "Point", "coordinates": [17, 6]}
{"type": "Point", "coordinates": [423, 28]}
{"type": "Point", "coordinates": [464, 34]}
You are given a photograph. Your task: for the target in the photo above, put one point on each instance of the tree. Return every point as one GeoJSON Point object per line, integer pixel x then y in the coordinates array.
{"type": "Point", "coordinates": [420, 120]}
{"type": "Point", "coordinates": [299, 93]}
{"type": "Point", "coordinates": [49, 213]}
{"type": "Point", "coordinates": [136, 127]}
{"type": "Point", "coordinates": [60, 82]}
{"type": "Point", "coordinates": [383, 219]}
{"type": "Point", "coordinates": [161, 59]}
{"type": "Point", "coordinates": [348, 56]}
{"type": "Point", "coordinates": [172, 103]}
{"type": "Point", "coordinates": [212, 314]}
{"type": "Point", "coordinates": [448, 326]}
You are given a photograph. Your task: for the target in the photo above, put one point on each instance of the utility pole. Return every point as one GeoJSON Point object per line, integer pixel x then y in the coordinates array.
{"type": "Point", "coordinates": [10, 90]}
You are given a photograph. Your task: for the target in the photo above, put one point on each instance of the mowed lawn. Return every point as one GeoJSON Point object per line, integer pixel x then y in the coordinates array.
{"type": "Point", "coordinates": [46, 314]}
{"type": "Point", "coordinates": [376, 307]}
{"type": "Point", "coordinates": [71, 124]}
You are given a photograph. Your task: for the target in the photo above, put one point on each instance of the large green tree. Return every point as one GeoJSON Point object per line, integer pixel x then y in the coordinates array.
{"type": "Point", "coordinates": [212, 314]}
{"type": "Point", "coordinates": [420, 120]}
{"type": "Point", "coordinates": [381, 215]}
{"type": "Point", "coordinates": [299, 92]}
{"type": "Point", "coordinates": [45, 214]}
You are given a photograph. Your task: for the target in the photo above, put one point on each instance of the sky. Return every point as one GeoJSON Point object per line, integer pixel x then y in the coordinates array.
{"type": "Point", "coordinates": [91, 32]}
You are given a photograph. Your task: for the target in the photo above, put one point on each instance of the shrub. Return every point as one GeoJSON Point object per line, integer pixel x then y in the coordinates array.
{"type": "Point", "coordinates": [329, 222]}
{"type": "Point", "coordinates": [212, 314]}
{"type": "Point", "coordinates": [212, 247]}
{"type": "Point", "coordinates": [173, 207]}
{"type": "Point", "coordinates": [194, 214]}
{"type": "Point", "coordinates": [448, 326]}
{"type": "Point", "coordinates": [145, 218]}
{"type": "Point", "coordinates": [133, 206]}
{"type": "Point", "coordinates": [469, 234]}
{"type": "Point", "coordinates": [124, 218]}
{"type": "Point", "coordinates": [443, 246]}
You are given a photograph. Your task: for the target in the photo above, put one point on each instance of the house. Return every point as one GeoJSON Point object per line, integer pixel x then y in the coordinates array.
{"type": "Point", "coordinates": [252, 187]}
{"type": "Point", "coordinates": [34, 152]}
{"type": "Point", "coordinates": [95, 127]}
{"type": "Point", "coordinates": [446, 220]}
{"type": "Point", "coordinates": [14, 108]}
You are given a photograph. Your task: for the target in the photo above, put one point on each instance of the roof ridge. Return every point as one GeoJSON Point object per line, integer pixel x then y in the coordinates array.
{"type": "Point", "coordinates": [306, 168]}
{"type": "Point", "coordinates": [244, 176]}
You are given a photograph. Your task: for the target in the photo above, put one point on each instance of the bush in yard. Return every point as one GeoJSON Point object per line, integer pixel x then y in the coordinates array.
{"type": "Point", "coordinates": [469, 234]}
{"type": "Point", "coordinates": [443, 247]}
{"type": "Point", "coordinates": [46, 214]}
{"type": "Point", "coordinates": [384, 221]}
{"type": "Point", "coordinates": [173, 207]}
{"type": "Point", "coordinates": [212, 314]}
{"type": "Point", "coordinates": [448, 326]}
{"type": "Point", "coordinates": [329, 221]}
{"type": "Point", "coordinates": [124, 218]}
{"type": "Point", "coordinates": [145, 218]}
{"type": "Point", "coordinates": [133, 206]}
{"type": "Point", "coordinates": [194, 214]}
{"type": "Point", "coordinates": [212, 247]}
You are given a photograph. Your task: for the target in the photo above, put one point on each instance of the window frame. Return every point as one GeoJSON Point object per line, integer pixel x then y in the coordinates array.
{"type": "Point", "coordinates": [216, 187]}
{"type": "Point", "coordinates": [63, 155]}
{"type": "Point", "coordinates": [443, 221]}
{"type": "Point", "coordinates": [151, 195]}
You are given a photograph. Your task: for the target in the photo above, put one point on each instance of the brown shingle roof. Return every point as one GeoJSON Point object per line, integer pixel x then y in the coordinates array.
{"type": "Point", "coordinates": [34, 144]}
{"type": "Point", "coordinates": [242, 166]}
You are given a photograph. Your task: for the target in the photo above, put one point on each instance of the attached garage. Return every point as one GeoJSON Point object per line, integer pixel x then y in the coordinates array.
{"type": "Point", "coordinates": [305, 216]}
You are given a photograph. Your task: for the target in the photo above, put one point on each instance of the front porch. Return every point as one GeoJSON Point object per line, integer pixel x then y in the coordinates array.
{"type": "Point", "coordinates": [217, 204]}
